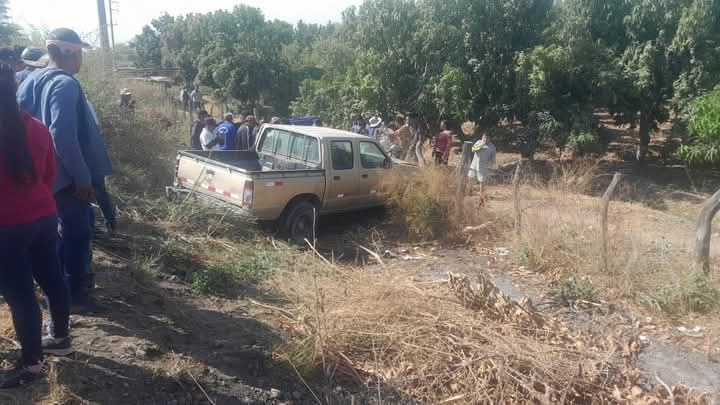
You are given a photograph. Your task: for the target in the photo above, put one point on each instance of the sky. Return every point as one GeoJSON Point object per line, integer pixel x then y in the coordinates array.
{"type": "Point", "coordinates": [132, 15]}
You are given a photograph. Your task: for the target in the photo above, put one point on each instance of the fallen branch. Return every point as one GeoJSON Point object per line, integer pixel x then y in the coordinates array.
{"type": "Point", "coordinates": [667, 388]}
{"type": "Point", "coordinates": [273, 308]}
{"type": "Point", "coordinates": [318, 253]}
{"type": "Point", "coordinates": [304, 382]}
{"type": "Point", "coordinates": [373, 254]}
{"type": "Point", "coordinates": [201, 388]}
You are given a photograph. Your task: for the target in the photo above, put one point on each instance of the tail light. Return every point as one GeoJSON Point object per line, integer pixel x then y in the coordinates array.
{"type": "Point", "coordinates": [248, 192]}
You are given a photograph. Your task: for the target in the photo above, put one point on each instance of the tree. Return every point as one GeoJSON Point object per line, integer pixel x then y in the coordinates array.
{"type": "Point", "coordinates": [9, 32]}
{"type": "Point", "coordinates": [695, 52]}
{"type": "Point", "coordinates": [703, 143]}
{"type": "Point", "coordinates": [148, 48]}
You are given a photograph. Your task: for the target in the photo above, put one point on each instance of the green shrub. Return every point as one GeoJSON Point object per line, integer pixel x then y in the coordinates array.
{"type": "Point", "coordinates": [703, 143]}
{"type": "Point", "coordinates": [572, 290]}
{"type": "Point", "coordinates": [229, 279]}
{"type": "Point", "coordinates": [694, 294]}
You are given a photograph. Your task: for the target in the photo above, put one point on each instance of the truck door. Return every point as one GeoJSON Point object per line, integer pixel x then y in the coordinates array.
{"type": "Point", "coordinates": [343, 180]}
{"type": "Point", "coordinates": [373, 166]}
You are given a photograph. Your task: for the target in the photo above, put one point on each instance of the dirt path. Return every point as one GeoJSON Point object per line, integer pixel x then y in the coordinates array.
{"type": "Point", "coordinates": [152, 343]}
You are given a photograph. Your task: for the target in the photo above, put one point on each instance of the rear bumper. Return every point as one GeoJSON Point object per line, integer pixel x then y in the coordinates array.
{"type": "Point", "coordinates": [172, 192]}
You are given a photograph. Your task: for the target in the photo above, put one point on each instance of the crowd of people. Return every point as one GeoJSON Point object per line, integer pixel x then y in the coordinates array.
{"type": "Point", "coordinates": [191, 100]}
{"type": "Point", "coordinates": [405, 138]}
{"type": "Point", "coordinates": [234, 132]}
{"type": "Point", "coordinates": [53, 165]}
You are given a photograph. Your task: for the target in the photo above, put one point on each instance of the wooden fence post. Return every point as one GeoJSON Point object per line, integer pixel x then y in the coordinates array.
{"type": "Point", "coordinates": [516, 199]}
{"type": "Point", "coordinates": [703, 232]}
{"type": "Point", "coordinates": [604, 219]}
{"type": "Point", "coordinates": [461, 173]}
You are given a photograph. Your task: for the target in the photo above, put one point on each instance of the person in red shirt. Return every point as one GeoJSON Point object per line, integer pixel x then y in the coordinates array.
{"type": "Point", "coordinates": [28, 236]}
{"type": "Point", "coordinates": [441, 148]}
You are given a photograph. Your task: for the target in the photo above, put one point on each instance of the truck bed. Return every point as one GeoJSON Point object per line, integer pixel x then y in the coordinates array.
{"type": "Point", "coordinates": [253, 164]}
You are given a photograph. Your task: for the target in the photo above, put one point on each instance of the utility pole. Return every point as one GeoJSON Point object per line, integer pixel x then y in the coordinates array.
{"type": "Point", "coordinates": [104, 41]}
{"type": "Point", "coordinates": [112, 10]}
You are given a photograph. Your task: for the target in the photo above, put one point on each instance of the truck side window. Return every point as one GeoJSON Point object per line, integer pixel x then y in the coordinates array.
{"type": "Point", "coordinates": [298, 146]}
{"type": "Point", "coordinates": [342, 155]}
{"type": "Point", "coordinates": [371, 156]}
{"type": "Point", "coordinates": [313, 151]}
{"type": "Point", "coordinates": [282, 144]}
{"type": "Point", "coordinates": [268, 142]}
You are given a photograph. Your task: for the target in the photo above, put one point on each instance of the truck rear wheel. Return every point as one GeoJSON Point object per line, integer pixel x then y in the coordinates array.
{"type": "Point", "coordinates": [301, 222]}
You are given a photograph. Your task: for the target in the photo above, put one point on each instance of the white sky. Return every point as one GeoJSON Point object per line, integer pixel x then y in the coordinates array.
{"type": "Point", "coordinates": [81, 15]}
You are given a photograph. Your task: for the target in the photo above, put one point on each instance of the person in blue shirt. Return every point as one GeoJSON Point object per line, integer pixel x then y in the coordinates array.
{"type": "Point", "coordinates": [56, 98]}
{"type": "Point", "coordinates": [228, 131]}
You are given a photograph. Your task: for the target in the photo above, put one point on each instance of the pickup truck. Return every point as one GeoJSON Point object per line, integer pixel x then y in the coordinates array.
{"type": "Point", "coordinates": [292, 175]}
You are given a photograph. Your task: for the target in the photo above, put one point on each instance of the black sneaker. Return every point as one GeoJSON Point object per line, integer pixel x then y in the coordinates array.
{"type": "Point", "coordinates": [19, 376]}
{"type": "Point", "coordinates": [57, 347]}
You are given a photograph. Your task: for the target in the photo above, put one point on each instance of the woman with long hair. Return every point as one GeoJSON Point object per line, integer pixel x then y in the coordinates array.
{"type": "Point", "coordinates": [28, 236]}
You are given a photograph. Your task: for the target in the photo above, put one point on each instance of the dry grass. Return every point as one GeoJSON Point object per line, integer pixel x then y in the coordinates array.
{"type": "Point", "coordinates": [648, 251]}
{"type": "Point", "coordinates": [58, 392]}
{"type": "Point", "coordinates": [401, 337]}
{"type": "Point", "coordinates": [424, 203]}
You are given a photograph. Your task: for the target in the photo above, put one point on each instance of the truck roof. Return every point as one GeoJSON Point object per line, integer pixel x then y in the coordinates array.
{"type": "Point", "coordinates": [319, 132]}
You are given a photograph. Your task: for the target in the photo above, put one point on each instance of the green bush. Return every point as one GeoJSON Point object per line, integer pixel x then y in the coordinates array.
{"type": "Point", "coordinates": [694, 294]}
{"type": "Point", "coordinates": [584, 142]}
{"type": "Point", "coordinates": [573, 290]}
{"type": "Point", "coordinates": [229, 279]}
{"type": "Point", "coordinates": [703, 143]}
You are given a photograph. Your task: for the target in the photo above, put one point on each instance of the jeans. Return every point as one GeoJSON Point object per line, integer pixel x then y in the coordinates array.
{"type": "Point", "coordinates": [77, 226]}
{"type": "Point", "coordinates": [28, 251]}
{"type": "Point", "coordinates": [105, 203]}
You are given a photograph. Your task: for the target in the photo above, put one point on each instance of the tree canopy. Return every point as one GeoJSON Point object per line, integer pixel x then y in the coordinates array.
{"type": "Point", "coordinates": [549, 65]}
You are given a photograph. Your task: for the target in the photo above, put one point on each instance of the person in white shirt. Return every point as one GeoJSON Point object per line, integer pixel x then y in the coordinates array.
{"type": "Point", "coordinates": [484, 153]}
{"type": "Point", "coordinates": [209, 139]}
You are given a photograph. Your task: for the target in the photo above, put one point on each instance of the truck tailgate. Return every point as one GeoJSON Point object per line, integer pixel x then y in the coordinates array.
{"type": "Point", "coordinates": [263, 194]}
{"type": "Point", "coordinates": [214, 179]}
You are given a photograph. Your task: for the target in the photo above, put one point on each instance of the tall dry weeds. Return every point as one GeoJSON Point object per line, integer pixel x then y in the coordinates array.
{"type": "Point", "coordinates": [423, 201]}
{"type": "Point", "coordinates": [648, 255]}
{"type": "Point", "coordinates": [385, 330]}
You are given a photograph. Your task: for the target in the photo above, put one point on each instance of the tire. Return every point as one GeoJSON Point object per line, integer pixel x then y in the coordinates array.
{"type": "Point", "coordinates": [301, 222]}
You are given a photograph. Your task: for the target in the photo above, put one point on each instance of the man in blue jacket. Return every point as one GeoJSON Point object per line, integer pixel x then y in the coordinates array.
{"type": "Point", "coordinates": [228, 131]}
{"type": "Point", "coordinates": [56, 98]}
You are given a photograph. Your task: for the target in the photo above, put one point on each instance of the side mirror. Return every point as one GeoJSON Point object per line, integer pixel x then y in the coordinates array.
{"type": "Point", "coordinates": [387, 164]}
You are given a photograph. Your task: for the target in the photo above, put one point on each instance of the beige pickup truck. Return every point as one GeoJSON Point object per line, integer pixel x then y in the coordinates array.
{"type": "Point", "coordinates": [294, 174]}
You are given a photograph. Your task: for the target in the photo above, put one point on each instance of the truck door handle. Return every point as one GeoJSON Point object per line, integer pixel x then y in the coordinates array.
{"type": "Point", "coordinates": [364, 176]}
{"type": "Point", "coordinates": [336, 178]}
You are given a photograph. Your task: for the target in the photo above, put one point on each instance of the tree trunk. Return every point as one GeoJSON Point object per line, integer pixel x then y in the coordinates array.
{"type": "Point", "coordinates": [644, 137]}
{"type": "Point", "coordinates": [604, 219]}
{"type": "Point", "coordinates": [703, 232]}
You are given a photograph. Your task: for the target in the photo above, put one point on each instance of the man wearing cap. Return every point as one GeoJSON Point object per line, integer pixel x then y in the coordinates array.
{"type": "Point", "coordinates": [33, 58]}
{"type": "Point", "coordinates": [227, 130]}
{"type": "Point", "coordinates": [56, 98]}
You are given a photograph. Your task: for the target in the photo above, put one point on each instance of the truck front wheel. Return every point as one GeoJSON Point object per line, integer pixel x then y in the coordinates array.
{"type": "Point", "coordinates": [301, 222]}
